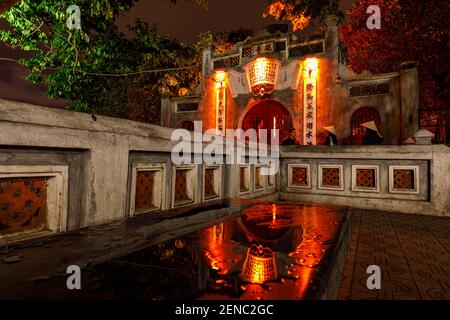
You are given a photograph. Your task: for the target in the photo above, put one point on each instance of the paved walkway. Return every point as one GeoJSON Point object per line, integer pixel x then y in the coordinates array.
{"type": "Point", "coordinates": [413, 252]}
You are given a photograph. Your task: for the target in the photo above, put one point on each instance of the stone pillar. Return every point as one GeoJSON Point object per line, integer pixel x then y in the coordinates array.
{"type": "Point", "coordinates": [206, 61]}
{"type": "Point", "coordinates": [332, 43]}
{"type": "Point", "coordinates": [165, 112]}
{"type": "Point", "coordinates": [409, 95]}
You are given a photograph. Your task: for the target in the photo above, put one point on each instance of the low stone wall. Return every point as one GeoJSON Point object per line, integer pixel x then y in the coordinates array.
{"type": "Point", "coordinates": [63, 170]}
{"type": "Point", "coordinates": [96, 169]}
{"type": "Point", "coordinates": [408, 178]}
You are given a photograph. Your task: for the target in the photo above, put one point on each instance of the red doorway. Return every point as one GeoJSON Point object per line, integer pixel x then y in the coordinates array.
{"type": "Point", "coordinates": [268, 114]}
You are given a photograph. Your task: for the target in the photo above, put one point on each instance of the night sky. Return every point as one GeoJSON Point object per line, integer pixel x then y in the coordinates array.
{"type": "Point", "coordinates": [183, 21]}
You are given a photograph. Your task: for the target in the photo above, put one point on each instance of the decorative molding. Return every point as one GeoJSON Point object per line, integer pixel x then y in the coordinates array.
{"type": "Point", "coordinates": [360, 169]}
{"type": "Point", "coordinates": [324, 167]}
{"type": "Point", "coordinates": [413, 170]}
{"type": "Point", "coordinates": [190, 184]}
{"type": "Point", "coordinates": [57, 192]}
{"type": "Point", "coordinates": [216, 184]}
{"type": "Point", "coordinates": [292, 175]}
{"type": "Point", "coordinates": [158, 188]}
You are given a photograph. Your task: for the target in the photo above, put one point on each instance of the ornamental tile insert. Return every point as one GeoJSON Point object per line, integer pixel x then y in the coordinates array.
{"type": "Point", "coordinates": [23, 204]}
{"type": "Point", "coordinates": [404, 179]}
{"type": "Point", "coordinates": [299, 176]}
{"type": "Point", "coordinates": [258, 180]}
{"type": "Point", "coordinates": [331, 177]}
{"type": "Point", "coordinates": [301, 51]}
{"type": "Point", "coordinates": [209, 183]}
{"type": "Point", "coordinates": [227, 62]}
{"type": "Point", "coordinates": [181, 194]}
{"type": "Point", "coordinates": [365, 178]}
{"type": "Point", "coordinates": [369, 89]}
{"type": "Point", "coordinates": [145, 181]}
{"type": "Point", "coordinates": [243, 179]}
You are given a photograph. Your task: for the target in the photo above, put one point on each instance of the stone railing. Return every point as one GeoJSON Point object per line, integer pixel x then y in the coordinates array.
{"type": "Point", "coordinates": [63, 170]}
{"type": "Point", "coordinates": [407, 178]}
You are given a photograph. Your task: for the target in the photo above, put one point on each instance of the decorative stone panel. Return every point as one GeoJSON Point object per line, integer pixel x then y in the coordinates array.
{"type": "Point", "coordinates": [331, 177]}
{"type": "Point", "coordinates": [23, 204]}
{"type": "Point", "coordinates": [32, 199]}
{"type": "Point", "coordinates": [258, 181]}
{"type": "Point", "coordinates": [184, 185]}
{"type": "Point", "coordinates": [365, 178]}
{"type": "Point", "coordinates": [404, 179]}
{"type": "Point", "coordinates": [212, 182]}
{"type": "Point", "coordinates": [244, 179]}
{"type": "Point", "coordinates": [147, 187]}
{"type": "Point", "coordinates": [299, 175]}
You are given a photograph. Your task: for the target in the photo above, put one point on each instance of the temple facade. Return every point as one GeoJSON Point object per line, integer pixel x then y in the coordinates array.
{"type": "Point", "coordinates": [275, 80]}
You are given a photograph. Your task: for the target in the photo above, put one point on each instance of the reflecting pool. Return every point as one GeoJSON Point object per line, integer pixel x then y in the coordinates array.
{"type": "Point", "coordinates": [268, 250]}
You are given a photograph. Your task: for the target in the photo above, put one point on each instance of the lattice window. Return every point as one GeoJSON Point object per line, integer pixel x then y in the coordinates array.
{"type": "Point", "coordinates": [187, 107]}
{"type": "Point", "coordinates": [210, 192]}
{"type": "Point", "coordinates": [330, 177]}
{"type": "Point", "coordinates": [247, 52]}
{"type": "Point", "coordinates": [144, 190]}
{"type": "Point", "coordinates": [404, 179]}
{"type": "Point", "coordinates": [301, 51]}
{"type": "Point", "coordinates": [23, 204]}
{"type": "Point", "coordinates": [262, 75]}
{"type": "Point", "coordinates": [365, 178]}
{"type": "Point", "coordinates": [181, 194]}
{"type": "Point", "coordinates": [299, 176]}
{"type": "Point", "coordinates": [369, 89]}
{"type": "Point", "coordinates": [227, 62]}
{"type": "Point", "coordinates": [280, 46]}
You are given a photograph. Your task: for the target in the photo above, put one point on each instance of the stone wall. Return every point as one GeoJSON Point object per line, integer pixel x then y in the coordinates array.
{"type": "Point", "coordinates": [99, 169]}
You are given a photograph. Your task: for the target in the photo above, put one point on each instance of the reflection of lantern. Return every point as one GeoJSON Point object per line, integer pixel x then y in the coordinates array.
{"type": "Point", "coordinates": [260, 265]}
{"type": "Point", "coordinates": [262, 75]}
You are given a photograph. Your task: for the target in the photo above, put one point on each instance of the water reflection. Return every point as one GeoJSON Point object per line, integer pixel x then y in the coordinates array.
{"type": "Point", "coordinates": [270, 250]}
{"type": "Point", "coordinates": [274, 249]}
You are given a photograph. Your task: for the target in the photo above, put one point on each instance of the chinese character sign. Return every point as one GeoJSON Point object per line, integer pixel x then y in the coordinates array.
{"type": "Point", "coordinates": [309, 101]}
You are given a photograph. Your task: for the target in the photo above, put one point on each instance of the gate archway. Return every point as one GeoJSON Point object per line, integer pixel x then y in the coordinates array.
{"type": "Point", "coordinates": [268, 114]}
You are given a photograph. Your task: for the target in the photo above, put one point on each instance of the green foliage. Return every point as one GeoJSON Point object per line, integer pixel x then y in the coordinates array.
{"type": "Point", "coordinates": [78, 65]}
{"type": "Point", "coordinates": [65, 59]}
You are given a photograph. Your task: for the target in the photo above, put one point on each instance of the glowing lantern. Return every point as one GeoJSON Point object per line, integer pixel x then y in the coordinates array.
{"type": "Point", "coordinates": [182, 92]}
{"type": "Point", "coordinates": [310, 67]}
{"type": "Point", "coordinates": [262, 75]}
{"type": "Point", "coordinates": [260, 265]}
{"type": "Point", "coordinates": [172, 81]}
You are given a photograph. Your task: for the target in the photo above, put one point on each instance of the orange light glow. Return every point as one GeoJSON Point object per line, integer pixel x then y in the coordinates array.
{"type": "Point", "coordinates": [259, 265]}
{"type": "Point", "coordinates": [219, 78]}
{"type": "Point", "coordinates": [221, 100]}
{"type": "Point", "coordinates": [262, 75]}
{"type": "Point", "coordinates": [310, 66]}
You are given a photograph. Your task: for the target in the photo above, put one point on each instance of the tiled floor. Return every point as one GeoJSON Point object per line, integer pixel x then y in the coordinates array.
{"type": "Point", "coordinates": [412, 251]}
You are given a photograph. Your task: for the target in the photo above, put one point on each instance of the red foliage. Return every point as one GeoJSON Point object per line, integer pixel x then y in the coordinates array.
{"type": "Point", "coordinates": [411, 30]}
